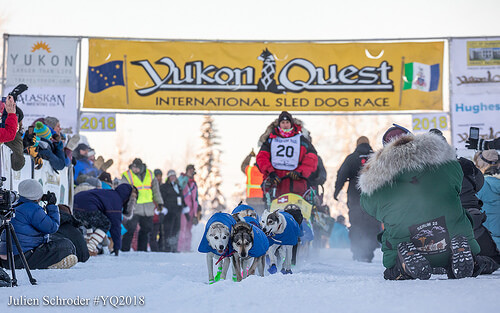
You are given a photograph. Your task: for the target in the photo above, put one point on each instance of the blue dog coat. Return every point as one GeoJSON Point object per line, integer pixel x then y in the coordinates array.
{"type": "Point", "coordinates": [225, 219]}
{"type": "Point", "coordinates": [291, 234]}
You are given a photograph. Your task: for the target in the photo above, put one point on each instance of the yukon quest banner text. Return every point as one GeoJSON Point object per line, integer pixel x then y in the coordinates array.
{"type": "Point", "coordinates": [258, 76]}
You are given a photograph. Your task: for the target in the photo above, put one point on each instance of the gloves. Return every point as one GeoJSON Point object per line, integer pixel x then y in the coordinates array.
{"type": "Point", "coordinates": [115, 252]}
{"type": "Point", "coordinates": [273, 177]}
{"type": "Point", "coordinates": [164, 211]}
{"type": "Point", "coordinates": [50, 197]}
{"type": "Point", "coordinates": [294, 175]}
{"type": "Point", "coordinates": [186, 210]}
{"type": "Point", "coordinates": [484, 145]}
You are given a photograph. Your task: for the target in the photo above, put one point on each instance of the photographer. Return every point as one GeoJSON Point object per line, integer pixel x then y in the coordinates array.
{"type": "Point", "coordinates": [33, 225]}
{"type": "Point", "coordinates": [16, 145]}
{"type": "Point", "coordinates": [8, 133]}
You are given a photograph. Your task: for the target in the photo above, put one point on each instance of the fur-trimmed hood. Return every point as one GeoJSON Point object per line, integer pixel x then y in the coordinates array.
{"type": "Point", "coordinates": [275, 124]}
{"type": "Point", "coordinates": [407, 153]}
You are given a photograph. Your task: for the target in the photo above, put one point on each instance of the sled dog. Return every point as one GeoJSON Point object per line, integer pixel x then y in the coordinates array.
{"type": "Point", "coordinates": [215, 243]}
{"type": "Point", "coordinates": [249, 244]}
{"type": "Point", "coordinates": [283, 233]}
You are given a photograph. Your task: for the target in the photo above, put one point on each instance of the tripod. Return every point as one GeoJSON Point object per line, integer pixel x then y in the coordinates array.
{"type": "Point", "coordinates": [9, 234]}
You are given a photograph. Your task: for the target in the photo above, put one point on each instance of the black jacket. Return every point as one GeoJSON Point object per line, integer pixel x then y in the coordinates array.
{"type": "Point", "coordinates": [69, 228]}
{"type": "Point", "coordinates": [472, 182]}
{"type": "Point", "coordinates": [349, 171]}
{"type": "Point", "coordinates": [170, 196]}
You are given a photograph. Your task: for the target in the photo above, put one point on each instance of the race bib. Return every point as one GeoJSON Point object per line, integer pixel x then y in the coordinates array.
{"type": "Point", "coordinates": [285, 153]}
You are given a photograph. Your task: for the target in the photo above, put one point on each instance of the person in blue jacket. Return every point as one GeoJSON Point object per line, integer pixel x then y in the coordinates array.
{"type": "Point", "coordinates": [339, 238]}
{"type": "Point", "coordinates": [488, 162]}
{"type": "Point", "coordinates": [102, 210]}
{"type": "Point", "coordinates": [83, 164]}
{"type": "Point", "coordinates": [32, 226]}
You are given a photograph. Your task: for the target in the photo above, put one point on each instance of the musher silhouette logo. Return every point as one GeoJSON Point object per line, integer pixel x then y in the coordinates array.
{"type": "Point", "coordinates": [200, 77]}
{"type": "Point", "coordinates": [266, 81]}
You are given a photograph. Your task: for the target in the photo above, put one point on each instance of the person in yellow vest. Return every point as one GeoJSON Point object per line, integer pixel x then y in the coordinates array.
{"type": "Point", "coordinates": [149, 196]}
{"type": "Point", "coordinates": [254, 194]}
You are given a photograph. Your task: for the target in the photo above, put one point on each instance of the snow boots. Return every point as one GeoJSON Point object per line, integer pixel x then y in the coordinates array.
{"type": "Point", "coordinates": [411, 263]}
{"type": "Point", "coordinates": [4, 279]}
{"type": "Point", "coordinates": [67, 262]}
{"type": "Point", "coordinates": [94, 240]}
{"type": "Point", "coordinates": [462, 262]}
{"type": "Point", "coordinates": [484, 265]}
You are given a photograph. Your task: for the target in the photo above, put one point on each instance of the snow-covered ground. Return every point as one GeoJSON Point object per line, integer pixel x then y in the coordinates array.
{"type": "Point", "coordinates": [328, 281]}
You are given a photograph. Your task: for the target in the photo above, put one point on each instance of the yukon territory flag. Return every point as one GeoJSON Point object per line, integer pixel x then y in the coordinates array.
{"type": "Point", "coordinates": [105, 76]}
{"type": "Point", "coordinates": [421, 77]}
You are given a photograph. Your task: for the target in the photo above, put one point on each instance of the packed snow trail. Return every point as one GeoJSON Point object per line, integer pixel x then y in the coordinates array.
{"type": "Point", "coordinates": [328, 281]}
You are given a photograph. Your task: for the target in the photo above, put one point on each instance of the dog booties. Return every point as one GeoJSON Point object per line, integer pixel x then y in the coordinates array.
{"type": "Point", "coordinates": [290, 236]}
{"type": "Point", "coordinates": [260, 241]}
{"type": "Point", "coordinates": [223, 218]}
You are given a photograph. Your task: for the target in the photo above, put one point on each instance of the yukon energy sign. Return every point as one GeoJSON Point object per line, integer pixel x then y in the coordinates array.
{"type": "Point", "coordinates": [258, 76]}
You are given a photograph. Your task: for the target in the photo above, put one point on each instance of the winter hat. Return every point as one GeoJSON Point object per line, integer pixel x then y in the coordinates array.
{"type": "Point", "coordinates": [157, 172]}
{"type": "Point", "coordinates": [82, 146]}
{"type": "Point", "coordinates": [137, 163]}
{"type": "Point", "coordinates": [393, 132]}
{"type": "Point", "coordinates": [30, 189]}
{"type": "Point", "coordinates": [361, 140]}
{"type": "Point", "coordinates": [285, 116]}
{"type": "Point", "coordinates": [51, 121]}
{"type": "Point", "coordinates": [437, 132]}
{"type": "Point", "coordinates": [485, 159]}
{"type": "Point", "coordinates": [42, 131]}
{"type": "Point", "coordinates": [170, 173]}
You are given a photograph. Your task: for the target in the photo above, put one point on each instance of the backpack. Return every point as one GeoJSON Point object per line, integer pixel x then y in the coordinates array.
{"type": "Point", "coordinates": [318, 177]}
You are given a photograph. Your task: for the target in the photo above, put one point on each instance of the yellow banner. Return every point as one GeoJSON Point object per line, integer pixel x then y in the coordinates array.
{"type": "Point", "coordinates": [259, 76]}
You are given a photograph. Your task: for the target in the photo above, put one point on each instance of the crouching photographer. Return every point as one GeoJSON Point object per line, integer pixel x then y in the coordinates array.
{"type": "Point", "coordinates": [33, 224]}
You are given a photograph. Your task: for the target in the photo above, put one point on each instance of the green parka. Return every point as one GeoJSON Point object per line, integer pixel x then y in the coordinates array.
{"type": "Point", "coordinates": [413, 187]}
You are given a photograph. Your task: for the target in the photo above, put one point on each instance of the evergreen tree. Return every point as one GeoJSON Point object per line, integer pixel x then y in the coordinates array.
{"type": "Point", "coordinates": [208, 172]}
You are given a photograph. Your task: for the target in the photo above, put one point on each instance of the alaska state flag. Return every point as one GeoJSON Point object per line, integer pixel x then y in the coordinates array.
{"type": "Point", "coordinates": [421, 76]}
{"type": "Point", "coordinates": [105, 76]}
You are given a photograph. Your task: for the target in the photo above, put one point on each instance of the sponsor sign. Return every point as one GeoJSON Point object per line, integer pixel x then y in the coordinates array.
{"type": "Point", "coordinates": [259, 76]}
{"type": "Point", "coordinates": [97, 121]}
{"type": "Point", "coordinates": [427, 121]}
{"type": "Point", "coordinates": [47, 65]}
{"type": "Point", "coordinates": [475, 89]}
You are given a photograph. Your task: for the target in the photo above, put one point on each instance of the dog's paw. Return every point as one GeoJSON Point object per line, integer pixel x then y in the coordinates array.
{"type": "Point", "coordinates": [273, 269]}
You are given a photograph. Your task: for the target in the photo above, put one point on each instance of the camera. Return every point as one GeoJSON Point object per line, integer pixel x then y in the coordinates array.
{"type": "Point", "coordinates": [473, 140]}
{"type": "Point", "coordinates": [18, 90]}
{"type": "Point", "coordinates": [7, 198]}
{"type": "Point", "coordinates": [49, 197]}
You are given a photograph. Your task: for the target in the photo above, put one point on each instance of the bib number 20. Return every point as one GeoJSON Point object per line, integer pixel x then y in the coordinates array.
{"type": "Point", "coordinates": [284, 151]}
